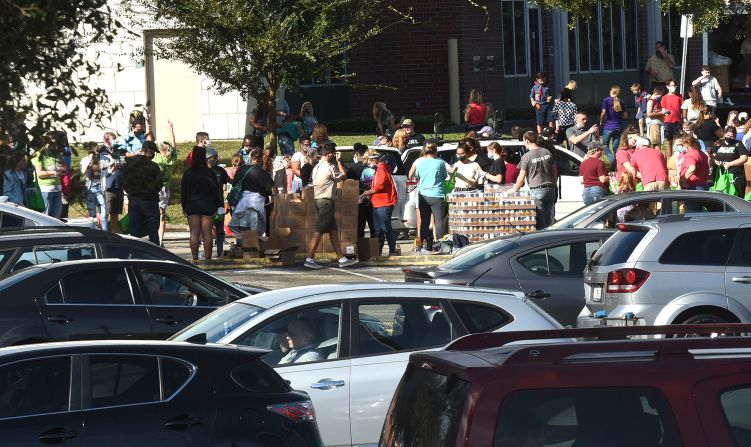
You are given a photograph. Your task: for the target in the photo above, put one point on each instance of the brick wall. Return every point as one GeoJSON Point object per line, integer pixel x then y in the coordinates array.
{"type": "Point", "coordinates": [410, 62]}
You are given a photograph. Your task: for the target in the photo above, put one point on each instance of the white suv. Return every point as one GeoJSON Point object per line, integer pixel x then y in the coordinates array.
{"type": "Point", "coordinates": [678, 269]}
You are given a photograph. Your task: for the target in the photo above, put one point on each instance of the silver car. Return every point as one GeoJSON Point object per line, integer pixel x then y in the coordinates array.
{"type": "Point", "coordinates": [363, 336]}
{"type": "Point", "coordinates": [13, 216]}
{"type": "Point", "coordinates": [675, 269]}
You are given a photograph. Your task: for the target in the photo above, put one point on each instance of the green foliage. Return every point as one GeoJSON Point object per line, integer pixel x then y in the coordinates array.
{"type": "Point", "coordinates": [40, 46]}
{"type": "Point", "coordinates": [256, 46]}
{"type": "Point", "coordinates": [707, 14]}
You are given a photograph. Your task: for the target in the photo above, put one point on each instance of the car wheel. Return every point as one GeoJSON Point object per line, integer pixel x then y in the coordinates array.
{"type": "Point", "coordinates": [705, 319]}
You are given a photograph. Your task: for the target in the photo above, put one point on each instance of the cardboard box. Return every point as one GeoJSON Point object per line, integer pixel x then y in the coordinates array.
{"type": "Point", "coordinates": [347, 223]}
{"type": "Point", "coordinates": [307, 194]}
{"type": "Point", "coordinates": [250, 239]}
{"type": "Point", "coordinates": [367, 248]}
{"type": "Point", "coordinates": [281, 257]}
{"type": "Point", "coordinates": [297, 208]}
{"type": "Point", "coordinates": [351, 191]}
{"type": "Point", "coordinates": [296, 224]}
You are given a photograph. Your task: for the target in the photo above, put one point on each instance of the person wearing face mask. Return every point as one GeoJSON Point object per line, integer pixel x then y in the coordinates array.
{"type": "Point", "coordinates": [497, 172]}
{"type": "Point", "coordinates": [694, 169]}
{"type": "Point", "coordinates": [469, 174]}
{"type": "Point", "coordinates": [626, 151]}
{"type": "Point", "coordinates": [134, 140]}
{"type": "Point", "coordinates": [538, 168]}
{"type": "Point", "coordinates": [222, 179]}
{"type": "Point", "coordinates": [671, 105]}
{"type": "Point", "coordinates": [383, 197]}
{"type": "Point", "coordinates": [366, 175]}
{"type": "Point", "coordinates": [731, 154]}
{"type": "Point", "coordinates": [142, 181]}
{"type": "Point", "coordinates": [655, 118]}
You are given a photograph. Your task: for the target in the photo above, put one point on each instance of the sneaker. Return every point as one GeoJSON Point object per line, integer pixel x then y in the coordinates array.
{"type": "Point", "coordinates": [201, 257]}
{"type": "Point", "coordinates": [347, 263]}
{"type": "Point", "coordinates": [311, 264]}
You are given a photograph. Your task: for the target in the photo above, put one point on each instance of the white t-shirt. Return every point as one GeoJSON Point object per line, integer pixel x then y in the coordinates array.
{"type": "Point", "coordinates": [298, 156]}
{"type": "Point", "coordinates": [468, 175]}
{"type": "Point", "coordinates": [691, 112]}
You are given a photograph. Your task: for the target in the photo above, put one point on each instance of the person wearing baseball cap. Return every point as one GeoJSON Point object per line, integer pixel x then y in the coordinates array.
{"type": "Point", "coordinates": [594, 174]}
{"type": "Point", "coordinates": [413, 139]}
{"type": "Point", "coordinates": [222, 179]}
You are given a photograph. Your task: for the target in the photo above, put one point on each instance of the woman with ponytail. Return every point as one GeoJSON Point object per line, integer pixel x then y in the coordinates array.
{"type": "Point", "coordinates": [611, 121]}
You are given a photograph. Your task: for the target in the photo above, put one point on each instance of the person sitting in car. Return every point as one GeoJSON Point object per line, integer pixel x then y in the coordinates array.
{"type": "Point", "coordinates": [302, 344]}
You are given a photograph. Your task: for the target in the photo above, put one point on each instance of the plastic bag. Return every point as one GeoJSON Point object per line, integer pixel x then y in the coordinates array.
{"type": "Point", "coordinates": [723, 182]}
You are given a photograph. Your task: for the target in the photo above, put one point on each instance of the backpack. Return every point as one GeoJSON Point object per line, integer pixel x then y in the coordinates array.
{"type": "Point", "coordinates": [236, 193]}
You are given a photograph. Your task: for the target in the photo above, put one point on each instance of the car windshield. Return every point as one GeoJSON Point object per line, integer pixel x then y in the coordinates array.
{"type": "Point", "coordinates": [219, 323]}
{"type": "Point", "coordinates": [478, 255]}
{"type": "Point", "coordinates": [619, 247]}
{"type": "Point", "coordinates": [575, 219]}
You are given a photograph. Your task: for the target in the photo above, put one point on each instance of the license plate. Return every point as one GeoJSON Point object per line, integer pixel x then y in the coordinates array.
{"type": "Point", "coordinates": [597, 293]}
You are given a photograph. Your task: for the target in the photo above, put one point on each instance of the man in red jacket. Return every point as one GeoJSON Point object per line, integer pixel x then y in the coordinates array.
{"type": "Point", "coordinates": [383, 197]}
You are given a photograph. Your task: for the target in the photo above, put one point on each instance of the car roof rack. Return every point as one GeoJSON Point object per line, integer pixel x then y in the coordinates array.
{"type": "Point", "coordinates": [488, 340]}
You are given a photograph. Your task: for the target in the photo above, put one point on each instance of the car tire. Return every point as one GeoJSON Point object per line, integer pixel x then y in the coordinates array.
{"type": "Point", "coordinates": [705, 319]}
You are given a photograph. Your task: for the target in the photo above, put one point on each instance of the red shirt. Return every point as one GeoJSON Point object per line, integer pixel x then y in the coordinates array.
{"type": "Point", "coordinates": [651, 164]}
{"type": "Point", "coordinates": [622, 156]}
{"type": "Point", "coordinates": [384, 187]}
{"type": "Point", "coordinates": [699, 159]}
{"type": "Point", "coordinates": [591, 169]}
{"type": "Point", "coordinates": [477, 113]}
{"type": "Point", "coordinates": [673, 102]}
{"type": "Point", "coordinates": [512, 172]}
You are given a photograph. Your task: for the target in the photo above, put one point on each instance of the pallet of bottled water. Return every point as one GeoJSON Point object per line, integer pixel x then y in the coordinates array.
{"type": "Point", "coordinates": [483, 215]}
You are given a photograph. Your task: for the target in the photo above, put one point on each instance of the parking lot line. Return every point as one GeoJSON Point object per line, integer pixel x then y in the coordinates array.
{"type": "Point", "coordinates": [357, 274]}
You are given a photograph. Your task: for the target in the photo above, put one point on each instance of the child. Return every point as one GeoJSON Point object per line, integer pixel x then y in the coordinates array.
{"type": "Point", "coordinates": [626, 184]}
{"type": "Point", "coordinates": [640, 100]}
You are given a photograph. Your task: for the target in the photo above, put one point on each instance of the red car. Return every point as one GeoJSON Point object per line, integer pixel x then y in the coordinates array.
{"type": "Point", "coordinates": [606, 391]}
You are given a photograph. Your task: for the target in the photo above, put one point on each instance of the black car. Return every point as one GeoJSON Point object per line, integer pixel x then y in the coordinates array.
{"type": "Point", "coordinates": [107, 298]}
{"type": "Point", "coordinates": [546, 265]}
{"type": "Point", "coordinates": [20, 249]}
{"type": "Point", "coordinates": [126, 393]}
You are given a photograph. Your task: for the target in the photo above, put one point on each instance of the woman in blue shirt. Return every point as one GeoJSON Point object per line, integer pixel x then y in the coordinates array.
{"type": "Point", "coordinates": [15, 180]}
{"type": "Point", "coordinates": [431, 175]}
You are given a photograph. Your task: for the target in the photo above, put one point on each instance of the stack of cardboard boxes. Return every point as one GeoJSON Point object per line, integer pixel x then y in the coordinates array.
{"type": "Point", "coordinates": [297, 212]}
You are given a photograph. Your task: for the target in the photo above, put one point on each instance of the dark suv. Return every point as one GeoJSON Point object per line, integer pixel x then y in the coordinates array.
{"type": "Point", "coordinates": [20, 249]}
{"type": "Point", "coordinates": [607, 391]}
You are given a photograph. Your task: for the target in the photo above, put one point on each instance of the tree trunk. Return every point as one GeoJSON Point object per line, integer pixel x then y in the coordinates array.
{"type": "Point", "coordinates": [271, 122]}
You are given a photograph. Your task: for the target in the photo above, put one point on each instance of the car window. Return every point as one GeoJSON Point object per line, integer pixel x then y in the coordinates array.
{"type": "Point", "coordinates": [5, 256]}
{"type": "Point", "coordinates": [567, 165]}
{"type": "Point", "coordinates": [175, 289]}
{"type": "Point", "coordinates": [700, 248]}
{"type": "Point", "coordinates": [175, 374]}
{"type": "Point", "coordinates": [480, 317]}
{"type": "Point", "coordinates": [697, 206]}
{"type": "Point", "coordinates": [619, 247]}
{"type": "Point", "coordinates": [53, 253]}
{"type": "Point", "coordinates": [741, 253]}
{"type": "Point", "coordinates": [8, 220]}
{"type": "Point", "coordinates": [122, 380]}
{"type": "Point", "coordinates": [38, 386]}
{"type": "Point", "coordinates": [125, 252]}
{"type": "Point", "coordinates": [736, 404]}
{"type": "Point", "coordinates": [478, 255]}
{"type": "Point", "coordinates": [401, 326]}
{"type": "Point", "coordinates": [563, 260]}
{"type": "Point", "coordinates": [632, 211]}
{"type": "Point", "coordinates": [439, 398]}
{"type": "Point", "coordinates": [575, 416]}
{"type": "Point", "coordinates": [258, 377]}
{"type": "Point", "coordinates": [100, 286]}
{"type": "Point", "coordinates": [221, 322]}
{"type": "Point", "coordinates": [576, 218]}
{"type": "Point", "coordinates": [310, 334]}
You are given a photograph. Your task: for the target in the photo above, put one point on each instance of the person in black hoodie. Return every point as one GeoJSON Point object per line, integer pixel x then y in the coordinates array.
{"type": "Point", "coordinates": [200, 199]}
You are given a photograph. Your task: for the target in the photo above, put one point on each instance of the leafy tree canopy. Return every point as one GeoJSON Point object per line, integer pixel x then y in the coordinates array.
{"type": "Point", "coordinates": [44, 72]}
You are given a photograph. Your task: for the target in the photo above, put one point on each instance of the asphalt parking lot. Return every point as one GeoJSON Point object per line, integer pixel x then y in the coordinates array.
{"type": "Point", "coordinates": [279, 277]}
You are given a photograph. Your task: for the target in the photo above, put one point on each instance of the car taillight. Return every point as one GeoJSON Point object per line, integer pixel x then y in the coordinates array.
{"type": "Point", "coordinates": [296, 411]}
{"type": "Point", "coordinates": [626, 280]}
{"type": "Point", "coordinates": [411, 184]}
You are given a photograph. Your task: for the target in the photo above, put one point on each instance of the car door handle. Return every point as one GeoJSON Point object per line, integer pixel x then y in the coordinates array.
{"type": "Point", "coordinates": [182, 422]}
{"type": "Point", "coordinates": [538, 294]}
{"type": "Point", "coordinates": [60, 319]}
{"type": "Point", "coordinates": [327, 384]}
{"type": "Point", "coordinates": [168, 320]}
{"type": "Point", "coordinates": [57, 435]}
{"type": "Point", "coordinates": [742, 279]}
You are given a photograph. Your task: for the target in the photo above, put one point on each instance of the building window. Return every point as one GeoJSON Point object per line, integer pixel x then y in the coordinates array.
{"type": "Point", "coordinates": [333, 76]}
{"type": "Point", "coordinates": [671, 35]}
{"type": "Point", "coordinates": [605, 42]}
{"type": "Point", "coordinates": [515, 36]}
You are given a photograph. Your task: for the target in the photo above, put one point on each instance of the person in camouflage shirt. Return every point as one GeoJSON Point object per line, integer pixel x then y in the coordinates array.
{"type": "Point", "coordinates": [142, 181]}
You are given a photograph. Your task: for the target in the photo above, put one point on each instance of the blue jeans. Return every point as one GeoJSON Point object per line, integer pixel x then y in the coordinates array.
{"type": "Point", "coordinates": [611, 139]}
{"type": "Point", "coordinates": [544, 199]}
{"type": "Point", "coordinates": [382, 224]}
{"type": "Point", "coordinates": [143, 218]}
{"type": "Point", "coordinates": [95, 198]}
{"type": "Point", "coordinates": [592, 194]}
{"type": "Point", "coordinates": [53, 203]}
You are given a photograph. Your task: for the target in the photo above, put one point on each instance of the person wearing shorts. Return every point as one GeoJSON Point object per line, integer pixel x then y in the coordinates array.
{"type": "Point", "coordinates": [324, 178]}
{"type": "Point", "coordinates": [541, 100]}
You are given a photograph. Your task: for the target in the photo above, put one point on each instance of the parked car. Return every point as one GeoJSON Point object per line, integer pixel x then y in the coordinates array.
{"type": "Point", "coordinates": [482, 391]}
{"type": "Point", "coordinates": [125, 393]}
{"type": "Point", "coordinates": [545, 265]}
{"type": "Point", "coordinates": [16, 216]}
{"type": "Point", "coordinates": [107, 298]}
{"type": "Point", "coordinates": [674, 269]}
{"type": "Point", "coordinates": [363, 334]}
{"type": "Point", "coordinates": [21, 249]}
{"type": "Point", "coordinates": [648, 204]}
